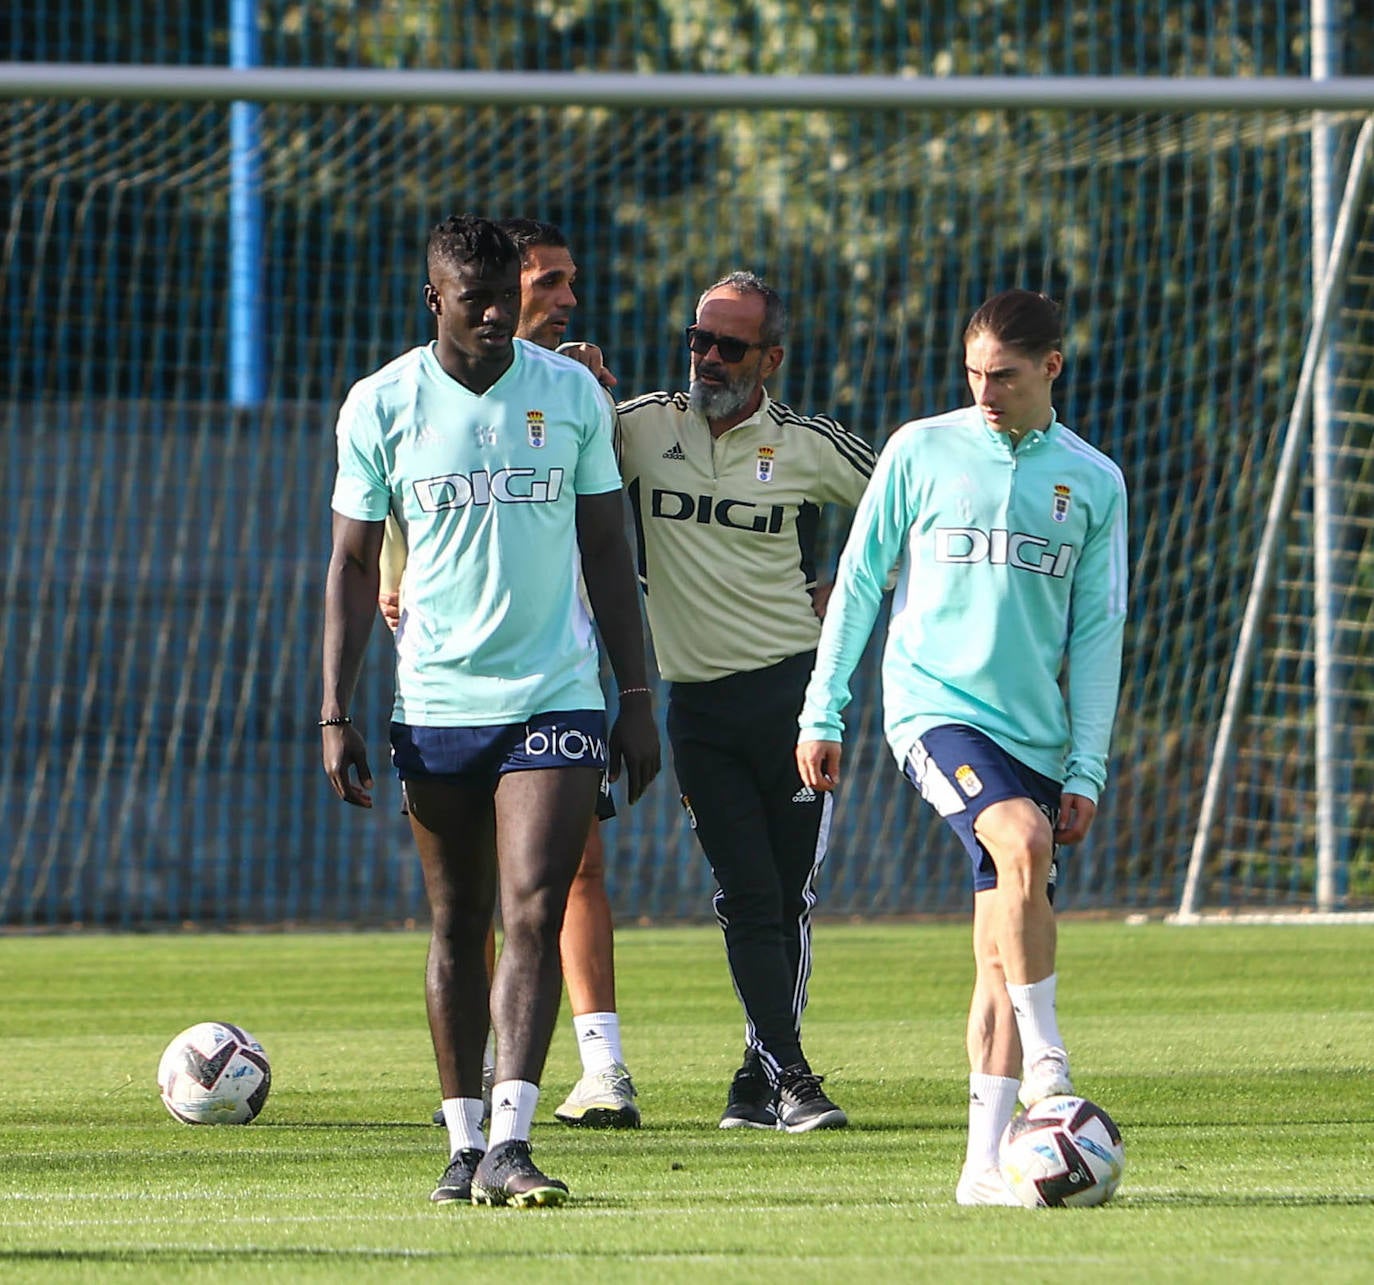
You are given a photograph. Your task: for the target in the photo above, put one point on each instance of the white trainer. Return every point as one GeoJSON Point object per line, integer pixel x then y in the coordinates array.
{"type": "Point", "coordinates": [1047, 1077]}
{"type": "Point", "coordinates": [983, 1187]}
{"type": "Point", "coordinates": [602, 1100]}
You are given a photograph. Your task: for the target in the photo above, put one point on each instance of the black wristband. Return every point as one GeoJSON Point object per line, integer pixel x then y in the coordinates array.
{"type": "Point", "coordinates": [335, 722]}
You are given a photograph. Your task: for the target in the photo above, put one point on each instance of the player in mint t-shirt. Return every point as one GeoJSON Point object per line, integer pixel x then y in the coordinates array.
{"type": "Point", "coordinates": [496, 459]}
{"type": "Point", "coordinates": [1008, 532]}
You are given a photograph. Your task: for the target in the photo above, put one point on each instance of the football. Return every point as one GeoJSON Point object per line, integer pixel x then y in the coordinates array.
{"type": "Point", "coordinates": [1062, 1151]}
{"type": "Point", "coordinates": [214, 1073]}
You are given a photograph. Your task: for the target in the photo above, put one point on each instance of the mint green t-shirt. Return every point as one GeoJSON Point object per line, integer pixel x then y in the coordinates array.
{"type": "Point", "coordinates": [1011, 567]}
{"type": "Point", "coordinates": [485, 490]}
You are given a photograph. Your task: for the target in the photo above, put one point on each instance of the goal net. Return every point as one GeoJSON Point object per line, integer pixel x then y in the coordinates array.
{"type": "Point", "coordinates": [1283, 833]}
{"type": "Point", "coordinates": [165, 537]}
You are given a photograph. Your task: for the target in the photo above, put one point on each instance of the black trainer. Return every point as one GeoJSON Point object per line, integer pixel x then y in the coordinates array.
{"type": "Point", "coordinates": [507, 1176]}
{"type": "Point", "coordinates": [753, 1102]}
{"type": "Point", "coordinates": [802, 1103]}
{"type": "Point", "coordinates": [456, 1184]}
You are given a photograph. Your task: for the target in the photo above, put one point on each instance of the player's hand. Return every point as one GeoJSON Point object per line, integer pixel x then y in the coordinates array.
{"type": "Point", "coordinates": [820, 598]}
{"type": "Point", "coordinates": [818, 764]}
{"type": "Point", "coordinates": [634, 743]}
{"type": "Point", "coordinates": [389, 604]}
{"type": "Point", "coordinates": [345, 764]}
{"type": "Point", "coordinates": [590, 356]}
{"type": "Point", "coordinates": [1076, 814]}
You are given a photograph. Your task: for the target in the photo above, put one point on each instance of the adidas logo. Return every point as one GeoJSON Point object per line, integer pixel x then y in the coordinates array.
{"type": "Point", "coordinates": [674, 452]}
{"type": "Point", "coordinates": [805, 795]}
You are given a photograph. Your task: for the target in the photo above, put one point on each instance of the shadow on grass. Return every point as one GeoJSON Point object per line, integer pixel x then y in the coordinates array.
{"type": "Point", "coordinates": [246, 1253]}
{"type": "Point", "coordinates": [1225, 1200]}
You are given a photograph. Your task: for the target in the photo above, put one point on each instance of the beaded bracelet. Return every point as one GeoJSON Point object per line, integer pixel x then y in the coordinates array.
{"type": "Point", "coordinates": [335, 722]}
{"type": "Point", "coordinates": [636, 691]}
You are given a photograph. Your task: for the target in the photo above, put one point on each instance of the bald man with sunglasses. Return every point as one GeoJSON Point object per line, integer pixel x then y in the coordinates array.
{"type": "Point", "coordinates": [726, 487]}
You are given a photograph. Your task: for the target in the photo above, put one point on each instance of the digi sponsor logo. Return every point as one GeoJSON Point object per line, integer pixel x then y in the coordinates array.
{"type": "Point", "coordinates": [534, 428]}
{"type": "Point", "coordinates": [968, 781]}
{"type": "Point", "coordinates": [741, 515]}
{"type": "Point", "coordinates": [1062, 496]}
{"type": "Point", "coordinates": [568, 745]}
{"type": "Point", "coordinates": [505, 486]}
{"type": "Point", "coordinates": [765, 468]}
{"type": "Point", "coordinates": [966, 544]}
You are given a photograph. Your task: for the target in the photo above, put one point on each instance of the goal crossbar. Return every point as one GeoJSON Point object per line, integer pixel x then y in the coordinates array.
{"type": "Point", "coordinates": [685, 91]}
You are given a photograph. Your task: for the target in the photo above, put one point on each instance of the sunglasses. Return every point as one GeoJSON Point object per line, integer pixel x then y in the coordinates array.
{"type": "Point", "coordinates": [731, 349]}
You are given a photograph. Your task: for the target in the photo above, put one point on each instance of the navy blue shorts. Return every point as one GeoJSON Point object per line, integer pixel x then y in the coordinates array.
{"type": "Point", "coordinates": [960, 772]}
{"type": "Point", "coordinates": [560, 738]}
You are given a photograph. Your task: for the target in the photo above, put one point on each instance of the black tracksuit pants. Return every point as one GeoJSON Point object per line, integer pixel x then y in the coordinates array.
{"type": "Point", "coordinates": [734, 741]}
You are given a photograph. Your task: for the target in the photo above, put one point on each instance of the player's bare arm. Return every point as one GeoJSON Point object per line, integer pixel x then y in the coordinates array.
{"type": "Point", "coordinates": [818, 764]}
{"type": "Point", "coordinates": [1076, 815]}
{"type": "Point", "coordinates": [350, 596]}
{"type": "Point", "coordinates": [614, 595]}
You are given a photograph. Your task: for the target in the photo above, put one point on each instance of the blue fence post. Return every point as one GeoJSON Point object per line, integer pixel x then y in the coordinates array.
{"type": "Point", "coordinates": [247, 341]}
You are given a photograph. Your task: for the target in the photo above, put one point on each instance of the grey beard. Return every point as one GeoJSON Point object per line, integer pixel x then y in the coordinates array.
{"type": "Point", "coordinates": [718, 403]}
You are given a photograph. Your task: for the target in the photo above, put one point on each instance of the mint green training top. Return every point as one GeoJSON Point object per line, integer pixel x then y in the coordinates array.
{"type": "Point", "coordinates": [484, 488]}
{"type": "Point", "coordinates": [1009, 564]}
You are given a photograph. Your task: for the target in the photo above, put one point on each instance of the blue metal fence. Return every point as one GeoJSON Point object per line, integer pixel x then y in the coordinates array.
{"type": "Point", "coordinates": [165, 520]}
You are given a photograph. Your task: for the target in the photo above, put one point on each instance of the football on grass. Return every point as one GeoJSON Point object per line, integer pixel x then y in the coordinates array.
{"type": "Point", "coordinates": [214, 1073]}
{"type": "Point", "coordinates": [1062, 1151]}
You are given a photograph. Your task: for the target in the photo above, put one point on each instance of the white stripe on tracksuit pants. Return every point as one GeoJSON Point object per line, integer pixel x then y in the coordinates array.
{"type": "Point", "coordinates": [764, 834]}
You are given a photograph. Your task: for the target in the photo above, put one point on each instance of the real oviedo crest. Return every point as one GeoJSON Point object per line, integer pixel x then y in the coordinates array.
{"type": "Point", "coordinates": [1060, 512]}
{"type": "Point", "coordinates": [534, 427]}
{"type": "Point", "coordinates": [765, 468]}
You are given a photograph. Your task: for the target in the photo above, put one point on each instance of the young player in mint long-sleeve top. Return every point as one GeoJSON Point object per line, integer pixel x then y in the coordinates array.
{"type": "Point", "coordinates": [1009, 535]}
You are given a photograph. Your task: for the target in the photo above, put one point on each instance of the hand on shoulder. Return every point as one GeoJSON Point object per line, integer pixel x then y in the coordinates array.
{"type": "Point", "coordinates": [591, 357]}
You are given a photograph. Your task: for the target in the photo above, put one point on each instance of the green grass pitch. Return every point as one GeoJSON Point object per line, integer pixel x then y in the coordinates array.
{"type": "Point", "coordinates": [1239, 1063]}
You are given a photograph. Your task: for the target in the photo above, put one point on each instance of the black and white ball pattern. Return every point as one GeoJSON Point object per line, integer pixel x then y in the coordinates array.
{"type": "Point", "coordinates": [1062, 1151]}
{"type": "Point", "coordinates": [214, 1073]}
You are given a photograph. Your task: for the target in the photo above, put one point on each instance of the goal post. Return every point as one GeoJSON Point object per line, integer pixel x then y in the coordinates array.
{"type": "Point", "coordinates": [164, 522]}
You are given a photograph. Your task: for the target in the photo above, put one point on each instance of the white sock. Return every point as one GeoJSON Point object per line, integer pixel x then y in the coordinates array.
{"type": "Point", "coordinates": [1036, 1021]}
{"type": "Point", "coordinates": [598, 1041]}
{"type": "Point", "coordinates": [991, 1104]}
{"type": "Point", "coordinates": [512, 1110]}
{"type": "Point", "coordinates": [464, 1119]}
